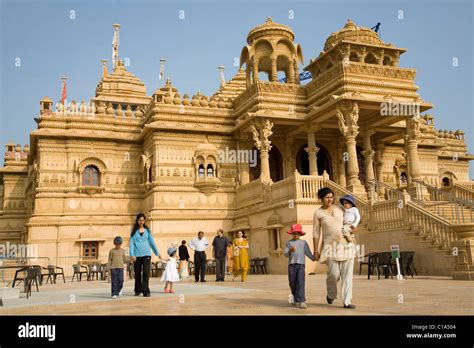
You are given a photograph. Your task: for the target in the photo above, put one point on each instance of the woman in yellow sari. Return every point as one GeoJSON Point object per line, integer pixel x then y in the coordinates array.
{"type": "Point", "coordinates": [241, 256]}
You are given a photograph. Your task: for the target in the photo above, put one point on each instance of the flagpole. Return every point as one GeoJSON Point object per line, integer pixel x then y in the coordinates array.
{"type": "Point", "coordinates": [115, 46]}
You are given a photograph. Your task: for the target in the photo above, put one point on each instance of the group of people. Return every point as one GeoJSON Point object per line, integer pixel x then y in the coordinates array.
{"type": "Point", "coordinates": [232, 256]}
{"type": "Point", "coordinates": [333, 244]}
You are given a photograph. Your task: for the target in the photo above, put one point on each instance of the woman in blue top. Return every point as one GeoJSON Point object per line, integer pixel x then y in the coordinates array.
{"type": "Point", "coordinates": [141, 240]}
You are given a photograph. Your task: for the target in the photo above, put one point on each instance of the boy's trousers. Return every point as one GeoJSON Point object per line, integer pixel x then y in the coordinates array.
{"type": "Point", "coordinates": [297, 278]}
{"type": "Point", "coordinates": [116, 276]}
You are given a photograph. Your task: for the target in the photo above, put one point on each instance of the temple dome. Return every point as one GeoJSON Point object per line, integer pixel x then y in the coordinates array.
{"type": "Point", "coordinates": [353, 33]}
{"type": "Point", "coordinates": [206, 148]}
{"type": "Point", "coordinates": [121, 86]}
{"type": "Point", "coordinates": [270, 28]}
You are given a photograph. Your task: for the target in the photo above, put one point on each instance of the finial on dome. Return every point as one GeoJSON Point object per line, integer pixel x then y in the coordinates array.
{"type": "Point", "coordinates": [349, 23]}
{"type": "Point", "coordinates": [269, 20]}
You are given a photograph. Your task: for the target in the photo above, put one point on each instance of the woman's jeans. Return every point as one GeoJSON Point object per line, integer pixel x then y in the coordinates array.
{"type": "Point", "coordinates": [142, 274]}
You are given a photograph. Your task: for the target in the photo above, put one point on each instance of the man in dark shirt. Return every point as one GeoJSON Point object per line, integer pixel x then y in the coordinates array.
{"type": "Point", "coordinates": [183, 251]}
{"type": "Point", "coordinates": [220, 245]}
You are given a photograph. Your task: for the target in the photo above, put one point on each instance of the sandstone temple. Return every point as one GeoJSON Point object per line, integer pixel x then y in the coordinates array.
{"type": "Point", "coordinates": [357, 125]}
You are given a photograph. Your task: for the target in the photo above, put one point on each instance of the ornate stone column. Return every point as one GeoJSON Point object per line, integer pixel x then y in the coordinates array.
{"type": "Point", "coordinates": [312, 150]}
{"type": "Point", "coordinates": [291, 73]}
{"type": "Point", "coordinates": [289, 159]}
{"type": "Point", "coordinates": [274, 72]}
{"type": "Point", "coordinates": [413, 125]}
{"type": "Point", "coordinates": [348, 115]}
{"type": "Point", "coordinates": [262, 143]}
{"type": "Point", "coordinates": [248, 81]}
{"type": "Point", "coordinates": [379, 168]}
{"type": "Point", "coordinates": [255, 70]}
{"type": "Point", "coordinates": [368, 154]}
{"type": "Point", "coordinates": [297, 74]}
{"type": "Point", "coordinates": [341, 165]}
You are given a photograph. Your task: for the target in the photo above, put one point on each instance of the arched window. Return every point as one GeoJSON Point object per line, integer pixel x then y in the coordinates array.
{"type": "Point", "coordinates": [403, 178]}
{"type": "Point", "coordinates": [210, 170]}
{"type": "Point", "coordinates": [91, 176]}
{"type": "Point", "coordinates": [446, 182]}
{"type": "Point", "coordinates": [370, 59]}
{"type": "Point", "coordinates": [150, 174]}
{"type": "Point", "coordinates": [201, 171]}
{"type": "Point", "coordinates": [354, 57]}
{"type": "Point", "coordinates": [387, 60]}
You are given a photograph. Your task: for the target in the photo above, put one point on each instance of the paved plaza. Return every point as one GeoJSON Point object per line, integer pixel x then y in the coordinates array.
{"type": "Point", "coordinates": [260, 295]}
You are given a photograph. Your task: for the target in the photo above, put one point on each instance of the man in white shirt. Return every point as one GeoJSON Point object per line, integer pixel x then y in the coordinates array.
{"type": "Point", "coordinates": [199, 245]}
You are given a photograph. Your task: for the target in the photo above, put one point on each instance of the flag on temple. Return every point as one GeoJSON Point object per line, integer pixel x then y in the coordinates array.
{"type": "Point", "coordinates": [63, 93]}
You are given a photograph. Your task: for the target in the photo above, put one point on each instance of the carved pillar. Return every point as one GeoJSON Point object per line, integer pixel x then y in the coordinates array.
{"type": "Point", "coordinates": [274, 72]}
{"type": "Point", "coordinates": [413, 125]}
{"type": "Point", "coordinates": [297, 74]}
{"type": "Point", "coordinates": [262, 143]}
{"type": "Point", "coordinates": [368, 160]}
{"type": "Point", "coordinates": [411, 145]}
{"type": "Point", "coordinates": [291, 73]}
{"type": "Point", "coordinates": [248, 80]}
{"type": "Point", "coordinates": [348, 115]}
{"type": "Point", "coordinates": [312, 151]}
{"type": "Point", "coordinates": [341, 165]}
{"type": "Point", "coordinates": [289, 158]}
{"type": "Point", "coordinates": [255, 70]}
{"type": "Point", "coordinates": [379, 168]}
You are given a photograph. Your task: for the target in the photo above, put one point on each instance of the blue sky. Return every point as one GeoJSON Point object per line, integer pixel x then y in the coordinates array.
{"type": "Point", "coordinates": [51, 44]}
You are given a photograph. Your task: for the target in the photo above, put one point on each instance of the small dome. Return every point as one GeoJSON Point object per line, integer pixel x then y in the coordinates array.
{"type": "Point", "coordinates": [206, 147]}
{"type": "Point", "coordinates": [121, 85]}
{"type": "Point", "coordinates": [351, 32]}
{"type": "Point", "coordinates": [270, 28]}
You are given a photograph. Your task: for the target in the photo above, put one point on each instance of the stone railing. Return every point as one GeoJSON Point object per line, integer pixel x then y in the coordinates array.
{"type": "Point", "coordinates": [463, 192]}
{"type": "Point", "coordinates": [430, 227]}
{"type": "Point", "coordinates": [93, 108]}
{"type": "Point", "coordinates": [386, 215]}
{"type": "Point", "coordinates": [284, 189]}
{"type": "Point", "coordinates": [386, 191]}
{"type": "Point", "coordinates": [469, 184]}
{"type": "Point", "coordinates": [307, 186]}
{"type": "Point", "coordinates": [250, 194]}
{"type": "Point", "coordinates": [454, 209]}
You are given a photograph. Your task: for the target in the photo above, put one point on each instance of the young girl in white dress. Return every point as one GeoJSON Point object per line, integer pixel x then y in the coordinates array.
{"type": "Point", "coordinates": [170, 275]}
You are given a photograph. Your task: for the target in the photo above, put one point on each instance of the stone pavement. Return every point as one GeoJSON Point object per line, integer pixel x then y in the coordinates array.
{"type": "Point", "coordinates": [260, 295]}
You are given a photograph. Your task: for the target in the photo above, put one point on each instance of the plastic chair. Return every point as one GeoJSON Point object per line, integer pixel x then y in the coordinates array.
{"type": "Point", "coordinates": [78, 272]}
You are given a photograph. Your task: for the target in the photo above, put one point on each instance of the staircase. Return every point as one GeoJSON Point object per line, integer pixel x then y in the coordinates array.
{"type": "Point", "coordinates": [421, 225]}
{"type": "Point", "coordinates": [444, 204]}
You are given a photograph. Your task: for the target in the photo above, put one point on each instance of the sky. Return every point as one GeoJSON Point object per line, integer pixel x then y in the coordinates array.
{"type": "Point", "coordinates": [40, 41]}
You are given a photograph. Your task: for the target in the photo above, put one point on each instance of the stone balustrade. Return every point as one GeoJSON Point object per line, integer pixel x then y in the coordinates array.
{"type": "Point", "coordinates": [93, 108]}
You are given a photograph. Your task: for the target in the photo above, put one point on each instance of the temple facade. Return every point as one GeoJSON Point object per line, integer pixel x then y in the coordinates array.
{"type": "Point", "coordinates": [250, 157]}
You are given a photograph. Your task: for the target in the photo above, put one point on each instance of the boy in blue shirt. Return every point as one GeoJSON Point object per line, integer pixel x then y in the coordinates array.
{"type": "Point", "coordinates": [296, 249]}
